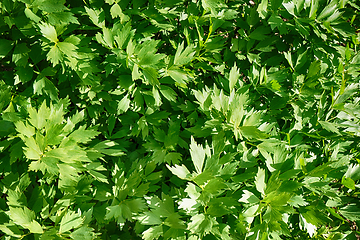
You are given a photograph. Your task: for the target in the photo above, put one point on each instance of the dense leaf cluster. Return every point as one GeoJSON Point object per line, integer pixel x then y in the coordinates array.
{"type": "Point", "coordinates": [179, 119]}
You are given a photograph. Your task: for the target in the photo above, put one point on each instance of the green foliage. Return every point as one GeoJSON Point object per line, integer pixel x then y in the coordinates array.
{"type": "Point", "coordinates": [179, 119]}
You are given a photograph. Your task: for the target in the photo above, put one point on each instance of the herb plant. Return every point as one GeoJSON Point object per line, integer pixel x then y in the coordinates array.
{"type": "Point", "coordinates": [179, 119]}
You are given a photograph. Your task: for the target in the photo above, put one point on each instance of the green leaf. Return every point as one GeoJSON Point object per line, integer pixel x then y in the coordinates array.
{"type": "Point", "coordinates": [182, 56]}
{"type": "Point", "coordinates": [314, 4]}
{"type": "Point", "coordinates": [260, 33]}
{"type": "Point", "coordinates": [174, 221]}
{"type": "Point", "coordinates": [58, 18]}
{"type": "Point", "coordinates": [35, 227]}
{"type": "Point", "coordinates": [32, 151]}
{"type": "Point", "coordinates": [116, 11]}
{"type": "Point", "coordinates": [168, 93]}
{"type": "Point", "coordinates": [328, 10]}
{"type": "Point", "coordinates": [136, 205]}
{"type": "Point", "coordinates": [83, 232]}
{"type": "Point", "coordinates": [108, 37]}
{"type": "Point", "coordinates": [54, 55]}
{"type": "Point", "coordinates": [331, 127]}
{"type": "Point", "coordinates": [156, 96]}
{"type": "Point", "coordinates": [262, 9]}
{"type": "Point", "coordinates": [23, 74]}
{"type": "Point", "coordinates": [215, 186]}
{"type": "Point", "coordinates": [173, 157]}
{"type": "Point", "coordinates": [305, 225]}
{"type": "Point", "coordinates": [290, 7]}
{"type": "Point", "coordinates": [123, 105]}
{"type": "Point", "coordinates": [249, 197]}
{"type": "Point", "coordinates": [21, 54]}
{"type": "Point", "coordinates": [233, 77]}
{"type": "Point", "coordinates": [95, 17]}
{"type": "Point", "coordinates": [21, 216]}
{"type": "Point", "coordinates": [179, 76]}
{"type": "Point", "coordinates": [349, 91]}
{"type": "Point", "coordinates": [7, 128]}
{"type": "Point", "coordinates": [147, 54]}
{"type": "Point", "coordinates": [25, 129]}
{"type": "Point", "coordinates": [180, 171]}
{"type": "Point", "coordinates": [68, 154]}
{"type": "Point", "coordinates": [314, 69]}
{"type": "Point", "coordinates": [197, 153]}
{"type": "Point", "coordinates": [288, 57]}
{"type": "Point", "coordinates": [5, 47]}
{"type": "Point", "coordinates": [351, 212]}
{"type": "Point", "coordinates": [297, 201]}
{"type": "Point", "coordinates": [25, 218]}
{"type": "Point", "coordinates": [115, 212]}
{"type": "Point", "coordinates": [348, 182]}
{"type": "Point", "coordinates": [49, 32]}
{"type": "Point", "coordinates": [122, 35]}
{"type": "Point", "coordinates": [11, 230]}
{"type": "Point", "coordinates": [70, 221]}
{"type": "Point", "coordinates": [276, 21]}
{"type": "Point", "coordinates": [212, 5]}
{"type": "Point", "coordinates": [151, 75]}
{"type": "Point", "coordinates": [38, 118]}
{"type": "Point", "coordinates": [83, 135]}
{"type": "Point", "coordinates": [353, 172]}
{"type": "Point", "coordinates": [221, 206]}
{"type": "Point", "coordinates": [44, 85]}
{"type": "Point", "coordinates": [98, 176]}
{"type": "Point", "coordinates": [252, 132]}
{"type": "Point", "coordinates": [67, 48]}
{"type": "Point", "coordinates": [51, 5]}
{"type": "Point", "coordinates": [109, 148]}
{"type": "Point", "coordinates": [32, 15]}
{"type": "Point", "coordinates": [152, 233]}
{"type": "Point", "coordinates": [200, 224]}
{"type": "Point", "coordinates": [260, 181]}
{"type": "Point", "coordinates": [188, 204]}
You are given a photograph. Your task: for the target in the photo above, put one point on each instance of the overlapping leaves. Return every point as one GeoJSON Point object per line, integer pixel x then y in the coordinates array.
{"type": "Point", "coordinates": [179, 119]}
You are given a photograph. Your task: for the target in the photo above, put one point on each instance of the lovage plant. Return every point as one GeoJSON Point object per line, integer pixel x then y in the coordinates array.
{"type": "Point", "coordinates": [179, 119]}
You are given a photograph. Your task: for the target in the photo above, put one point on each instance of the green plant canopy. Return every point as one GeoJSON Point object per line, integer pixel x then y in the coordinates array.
{"type": "Point", "coordinates": [179, 119]}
